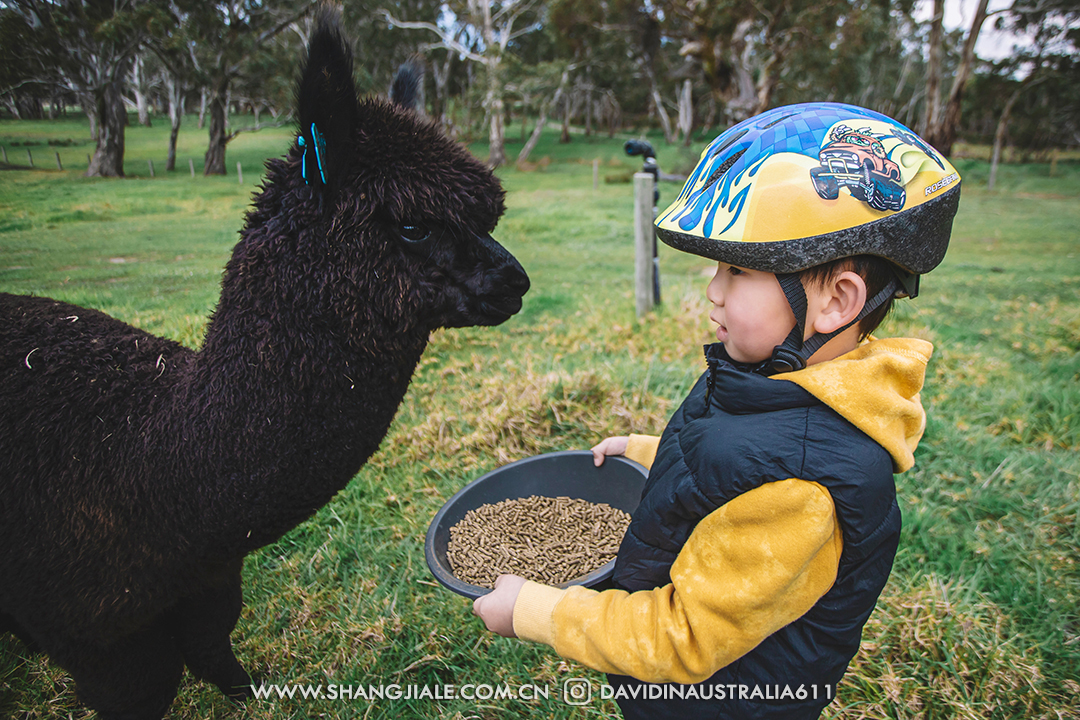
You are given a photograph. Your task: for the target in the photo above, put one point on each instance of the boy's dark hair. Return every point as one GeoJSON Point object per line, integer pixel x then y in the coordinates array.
{"type": "Point", "coordinates": [876, 271]}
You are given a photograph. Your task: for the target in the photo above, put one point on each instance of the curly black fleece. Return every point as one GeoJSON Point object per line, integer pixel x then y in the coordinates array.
{"type": "Point", "coordinates": [135, 473]}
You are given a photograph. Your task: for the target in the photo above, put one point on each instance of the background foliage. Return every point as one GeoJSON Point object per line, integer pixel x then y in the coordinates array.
{"type": "Point", "coordinates": [690, 67]}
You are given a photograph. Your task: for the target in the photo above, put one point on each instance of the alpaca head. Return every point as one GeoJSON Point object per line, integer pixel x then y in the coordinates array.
{"type": "Point", "coordinates": [407, 212]}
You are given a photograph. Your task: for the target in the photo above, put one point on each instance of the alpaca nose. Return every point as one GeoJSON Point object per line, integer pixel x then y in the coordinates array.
{"type": "Point", "coordinates": [517, 280]}
{"type": "Point", "coordinates": [510, 278]}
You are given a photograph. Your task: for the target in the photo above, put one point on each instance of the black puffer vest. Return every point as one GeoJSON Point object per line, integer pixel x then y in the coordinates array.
{"type": "Point", "coordinates": [734, 432]}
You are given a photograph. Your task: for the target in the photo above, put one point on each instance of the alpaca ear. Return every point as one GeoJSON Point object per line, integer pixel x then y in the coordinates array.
{"type": "Point", "coordinates": [326, 101]}
{"type": "Point", "coordinates": [407, 89]}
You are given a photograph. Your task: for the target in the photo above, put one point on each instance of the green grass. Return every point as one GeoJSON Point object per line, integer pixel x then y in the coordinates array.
{"type": "Point", "coordinates": [980, 617]}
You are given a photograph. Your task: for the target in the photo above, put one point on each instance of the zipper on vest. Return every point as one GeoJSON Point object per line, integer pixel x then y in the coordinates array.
{"type": "Point", "coordinates": [710, 383]}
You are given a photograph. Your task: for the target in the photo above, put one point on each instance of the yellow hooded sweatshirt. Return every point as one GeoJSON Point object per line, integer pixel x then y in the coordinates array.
{"type": "Point", "coordinates": [753, 565]}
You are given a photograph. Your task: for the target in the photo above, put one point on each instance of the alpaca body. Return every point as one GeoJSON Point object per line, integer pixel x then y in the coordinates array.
{"type": "Point", "coordinates": [135, 474]}
{"type": "Point", "coordinates": [160, 466]}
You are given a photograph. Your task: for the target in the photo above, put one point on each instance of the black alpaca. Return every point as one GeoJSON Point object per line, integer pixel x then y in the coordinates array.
{"type": "Point", "coordinates": [135, 474]}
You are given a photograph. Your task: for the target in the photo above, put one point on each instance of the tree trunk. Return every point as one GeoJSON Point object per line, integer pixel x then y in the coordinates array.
{"type": "Point", "coordinates": [588, 102]}
{"type": "Point", "coordinates": [741, 102]}
{"type": "Point", "coordinates": [30, 108]}
{"type": "Point", "coordinates": [175, 114]}
{"type": "Point", "coordinates": [442, 77]}
{"type": "Point", "coordinates": [933, 72]}
{"type": "Point", "coordinates": [89, 107]}
{"type": "Point", "coordinates": [214, 162]}
{"type": "Point", "coordinates": [999, 138]}
{"type": "Point", "coordinates": [202, 107]}
{"type": "Point", "coordinates": [944, 134]}
{"type": "Point", "coordinates": [665, 121]}
{"type": "Point", "coordinates": [140, 96]}
{"type": "Point", "coordinates": [530, 144]}
{"type": "Point", "coordinates": [686, 112]}
{"type": "Point", "coordinates": [495, 107]}
{"type": "Point", "coordinates": [524, 115]}
{"type": "Point", "coordinates": [142, 109]}
{"type": "Point", "coordinates": [610, 111]}
{"type": "Point", "coordinates": [1003, 126]}
{"type": "Point", "coordinates": [108, 159]}
{"type": "Point", "coordinates": [564, 137]}
{"type": "Point", "coordinates": [711, 117]}
{"type": "Point", "coordinates": [767, 83]}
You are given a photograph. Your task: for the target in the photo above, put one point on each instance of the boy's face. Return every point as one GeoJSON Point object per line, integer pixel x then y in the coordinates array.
{"type": "Point", "coordinates": [752, 311]}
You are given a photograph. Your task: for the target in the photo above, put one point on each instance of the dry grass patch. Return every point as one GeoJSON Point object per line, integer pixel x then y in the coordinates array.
{"type": "Point", "coordinates": [502, 417]}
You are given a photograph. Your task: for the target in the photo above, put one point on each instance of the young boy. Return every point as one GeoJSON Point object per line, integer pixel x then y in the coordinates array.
{"type": "Point", "coordinates": [769, 522]}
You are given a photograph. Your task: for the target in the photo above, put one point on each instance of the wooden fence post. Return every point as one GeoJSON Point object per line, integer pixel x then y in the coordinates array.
{"type": "Point", "coordinates": [59, 165]}
{"type": "Point", "coordinates": [29, 157]}
{"type": "Point", "coordinates": [596, 174]}
{"type": "Point", "coordinates": [239, 173]}
{"type": "Point", "coordinates": [5, 153]}
{"type": "Point", "coordinates": [151, 164]}
{"type": "Point", "coordinates": [645, 298]}
{"type": "Point", "coordinates": [191, 166]}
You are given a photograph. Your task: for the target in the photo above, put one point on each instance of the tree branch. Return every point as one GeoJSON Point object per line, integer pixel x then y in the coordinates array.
{"type": "Point", "coordinates": [258, 126]}
{"type": "Point", "coordinates": [445, 39]}
{"type": "Point", "coordinates": [286, 23]}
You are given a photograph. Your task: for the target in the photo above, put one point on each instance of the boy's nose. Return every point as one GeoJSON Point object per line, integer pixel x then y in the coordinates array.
{"type": "Point", "coordinates": [714, 293]}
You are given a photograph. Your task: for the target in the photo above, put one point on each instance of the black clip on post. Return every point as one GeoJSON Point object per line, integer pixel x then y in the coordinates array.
{"type": "Point", "coordinates": [649, 165]}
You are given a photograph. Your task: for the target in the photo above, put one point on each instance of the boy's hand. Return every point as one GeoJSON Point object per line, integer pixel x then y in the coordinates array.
{"type": "Point", "coordinates": [496, 608]}
{"type": "Point", "coordinates": [610, 446]}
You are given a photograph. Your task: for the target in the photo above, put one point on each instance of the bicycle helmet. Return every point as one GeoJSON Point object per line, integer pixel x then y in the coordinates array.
{"type": "Point", "coordinates": [803, 185]}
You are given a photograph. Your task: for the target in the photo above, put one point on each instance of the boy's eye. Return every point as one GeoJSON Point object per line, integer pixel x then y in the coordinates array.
{"type": "Point", "coordinates": [732, 270]}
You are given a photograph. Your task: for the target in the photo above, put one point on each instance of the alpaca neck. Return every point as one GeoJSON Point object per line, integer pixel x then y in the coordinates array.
{"type": "Point", "coordinates": [290, 403]}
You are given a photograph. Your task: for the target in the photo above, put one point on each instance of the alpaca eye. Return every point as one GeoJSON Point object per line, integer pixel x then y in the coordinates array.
{"type": "Point", "coordinates": [414, 233]}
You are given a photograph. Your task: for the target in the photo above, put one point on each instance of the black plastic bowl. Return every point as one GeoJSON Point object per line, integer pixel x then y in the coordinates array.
{"type": "Point", "coordinates": [618, 482]}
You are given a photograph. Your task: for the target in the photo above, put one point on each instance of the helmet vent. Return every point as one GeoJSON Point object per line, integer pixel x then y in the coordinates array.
{"type": "Point", "coordinates": [724, 167]}
{"type": "Point", "coordinates": [730, 141]}
{"type": "Point", "coordinates": [778, 120]}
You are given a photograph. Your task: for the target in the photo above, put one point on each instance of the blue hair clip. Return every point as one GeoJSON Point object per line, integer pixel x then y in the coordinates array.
{"type": "Point", "coordinates": [320, 150]}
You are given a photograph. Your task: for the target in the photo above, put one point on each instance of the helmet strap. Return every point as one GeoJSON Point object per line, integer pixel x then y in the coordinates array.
{"type": "Point", "coordinates": [793, 353]}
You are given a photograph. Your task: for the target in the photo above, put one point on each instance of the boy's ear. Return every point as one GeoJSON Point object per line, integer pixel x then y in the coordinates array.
{"type": "Point", "coordinates": [840, 301]}
{"type": "Point", "coordinates": [326, 102]}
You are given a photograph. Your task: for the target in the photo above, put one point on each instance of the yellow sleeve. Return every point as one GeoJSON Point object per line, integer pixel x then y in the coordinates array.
{"type": "Point", "coordinates": [749, 568]}
{"type": "Point", "coordinates": [642, 449]}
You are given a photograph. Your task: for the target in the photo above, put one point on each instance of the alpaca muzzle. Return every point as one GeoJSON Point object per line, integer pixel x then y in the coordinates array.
{"type": "Point", "coordinates": [502, 283]}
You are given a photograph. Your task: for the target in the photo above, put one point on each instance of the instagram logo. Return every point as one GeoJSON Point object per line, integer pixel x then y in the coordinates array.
{"type": "Point", "coordinates": [577, 691]}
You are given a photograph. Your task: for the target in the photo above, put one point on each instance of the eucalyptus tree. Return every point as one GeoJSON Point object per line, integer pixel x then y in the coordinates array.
{"type": "Point", "coordinates": [494, 25]}
{"type": "Point", "coordinates": [173, 46]}
{"type": "Point", "coordinates": [21, 86]}
{"type": "Point", "coordinates": [87, 47]}
{"type": "Point", "coordinates": [1043, 71]}
{"type": "Point", "coordinates": [942, 120]}
{"type": "Point", "coordinates": [224, 36]}
{"type": "Point", "coordinates": [873, 58]}
{"type": "Point", "coordinates": [746, 47]}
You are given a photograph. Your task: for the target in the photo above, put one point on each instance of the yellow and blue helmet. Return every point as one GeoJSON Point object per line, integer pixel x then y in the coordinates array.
{"type": "Point", "coordinates": [803, 185]}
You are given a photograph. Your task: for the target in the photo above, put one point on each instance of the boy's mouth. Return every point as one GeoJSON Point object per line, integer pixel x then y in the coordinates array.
{"type": "Point", "coordinates": [721, 331]}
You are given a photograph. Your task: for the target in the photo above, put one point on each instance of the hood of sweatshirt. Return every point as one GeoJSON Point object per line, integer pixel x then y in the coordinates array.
{"type": "Point", "coordinates": [876, 388]}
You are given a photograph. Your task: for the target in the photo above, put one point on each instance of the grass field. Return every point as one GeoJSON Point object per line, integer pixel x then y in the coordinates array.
{"type": "Point", "coordinates": [980, 618]}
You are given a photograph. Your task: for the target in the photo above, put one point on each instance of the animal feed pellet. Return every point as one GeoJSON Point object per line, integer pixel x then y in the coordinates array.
{"type": "Point", "coordinates": [549, 540]}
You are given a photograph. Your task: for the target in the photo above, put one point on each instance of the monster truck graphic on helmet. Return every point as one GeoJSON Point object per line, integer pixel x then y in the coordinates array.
{"type": "Point", "coordinates": [856, 159]}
